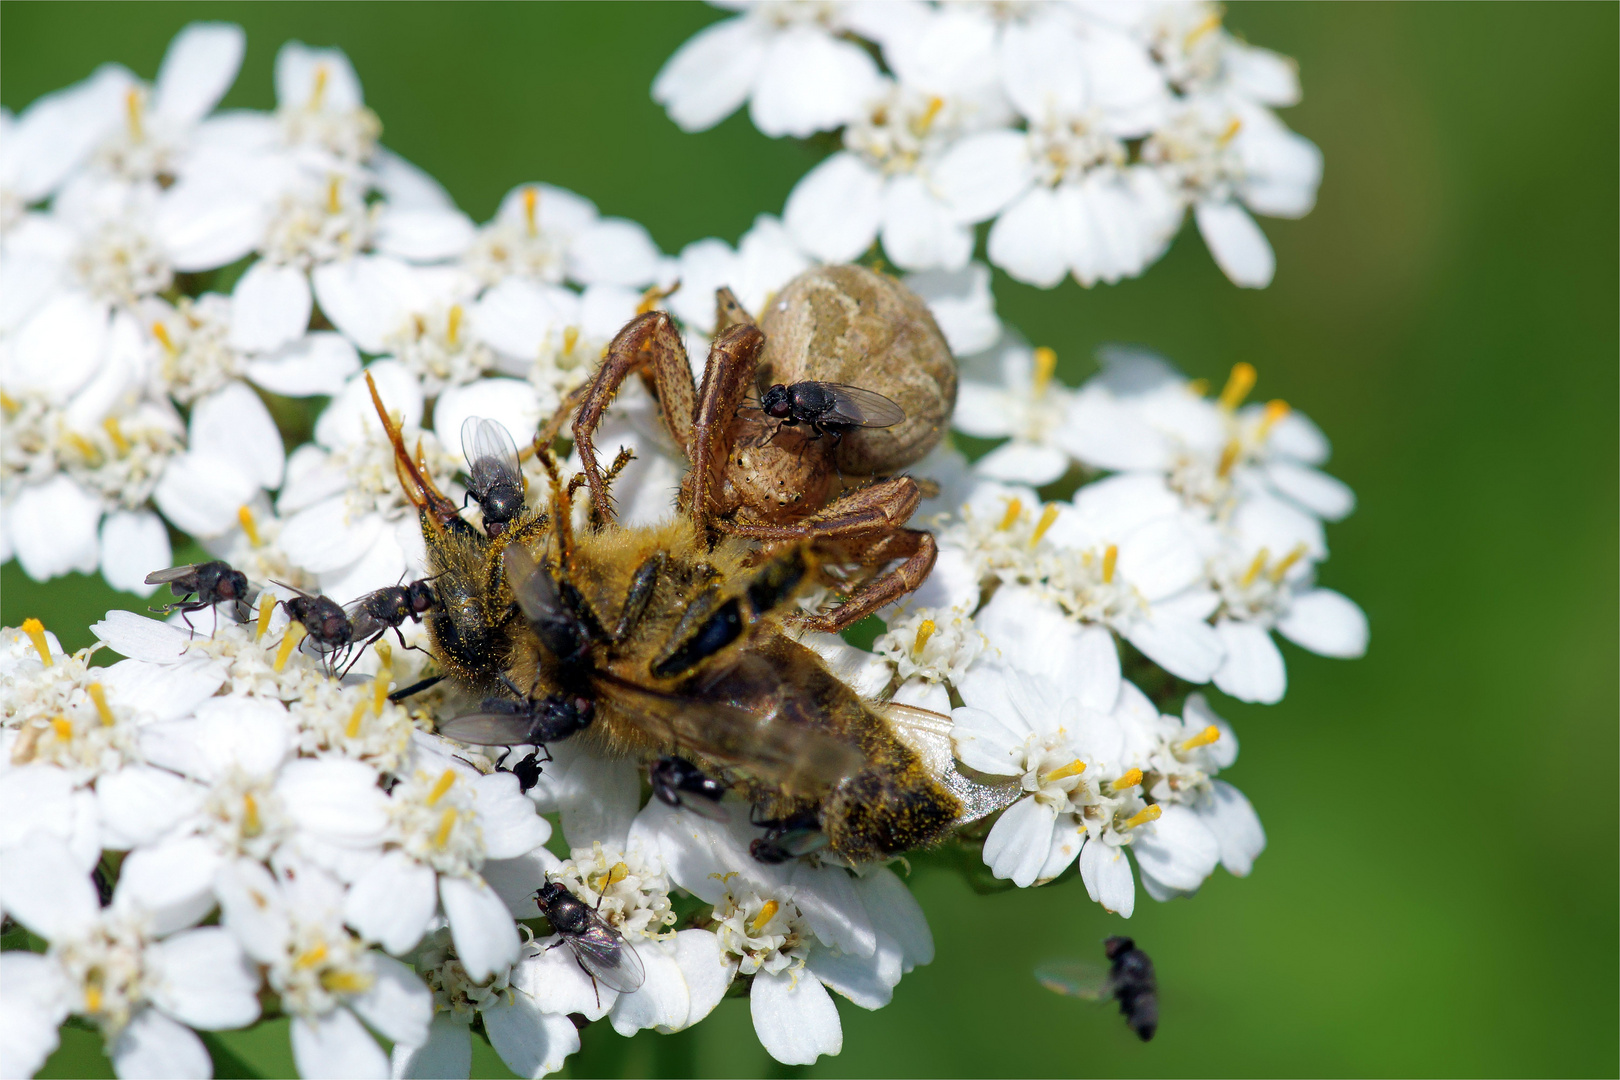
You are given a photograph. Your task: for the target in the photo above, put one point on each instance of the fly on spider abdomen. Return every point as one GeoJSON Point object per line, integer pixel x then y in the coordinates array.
{"type": "Point", "coordinates": [829, 408]}
{"type": "Point", "coordinates": [210, 583]}
{"type": "Point", "coordinates": [495, 480]}
{"type": "Point", "coordinates": [601, 951]}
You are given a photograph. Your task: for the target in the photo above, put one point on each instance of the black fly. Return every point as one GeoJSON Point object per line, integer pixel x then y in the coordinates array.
{"type": "Point", "coordinates": [521, 721]}
{"type": "Point", "coordinates": [385, 609]}
{"type": "Point", "coordinates": [788, 838]}
{"type": "Point", "coordinates": [674, 779]}
{"type": "Point", "coordinates": [211, 583]}
{"type": "Point", "coordinates": [495, 480]}
{"type": "Point", "coordinates": [1129, 980]}
{"type": "Point", "coordinates": [328, 626]}
{"type": "Point", "coordinates": [527, 770]}
{"type": "Point", "coordinates": [829, 408]}
{"type": "Point", "coordinates": [601, 951]}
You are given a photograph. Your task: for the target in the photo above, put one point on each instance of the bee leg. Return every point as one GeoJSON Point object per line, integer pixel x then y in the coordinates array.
{"type": "Point", "coordinates": [727, 378]}
{"type": "Point", "coordinates": [638, 595]}
{"type": "Point", "coordinates": [650, 340]}
{"type": "Point", "coordinates": [415, 688]}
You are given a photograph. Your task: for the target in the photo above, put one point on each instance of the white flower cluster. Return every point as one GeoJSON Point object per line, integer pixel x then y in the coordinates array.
{"type": "Point", "coordinates": [216, 829]}
{"type": "Point", "coordinates": [1085, 130]}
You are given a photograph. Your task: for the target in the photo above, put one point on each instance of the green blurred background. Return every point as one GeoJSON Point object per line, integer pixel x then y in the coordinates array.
{"type": "Point", "coordinates": [1439, 895]}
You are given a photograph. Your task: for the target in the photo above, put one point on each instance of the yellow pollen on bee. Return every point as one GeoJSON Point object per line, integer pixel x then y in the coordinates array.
{"type": "Point", "coordinates": [1256, 566]}
{"type": "Point", "coordinates": [1045, 368]}
{"type": "Point", "coordinates": [1073, 768]}
{"type": "Point", "coordinates": [1150, 814]}
{"type": "Point", "coordinates": [62, 726]}
{"type": "Point", "coordinates": [441, 786]}
{"type": "Point", "coordinates": [36, 633]}
{"type": "Point", "coordinates": [99, 696]}
{"type": "Point", "coordinates": [116, 434]}
{"type": "Point", "coordinates": [925, 630]}
{"type": "Point", "coordinates": [133, 101]}
{"type": "Point", "coordinates": [334, 201]}
{"type": "Point", "coordinates": [311, 956]}
{"type": "Point", "coordinates": [1015, 510]}
{"type": "Point", "coordinates": [1128, 780]}
{"type": "Point", "coordinates": [250, 527]}
{"type": "Point", "coordinates": [1229, 458]}
{"type": "Point", "coordinates": [570, 339]}
{"type": "Point", "coordinates": [1110, 561]}
{"type": "Point", "coordinates": [1048, 517]}
{"type": "Point", "coordinates": [318, 94]}
{"type": "Point", "coordinates": [531, 205]}
{"type": "Point", "coordinates": [1276, 409]}
{"type": "Point", "coordinates": [759, 922]}
{"type": "Point", "coordinates": [1203, 738]}
{"type": "Point", "coordinates": [92, 999]}
{"type": "Point", "coordinates": [1238, 385]}
{"type": "Point", "coordinates": [164, 339]}
{"type": "Point", "coordinates": [935, 104]}
{"type": "Point", "coordinates": [352, 728]}
{"type": "Point", "coordinates": [289, 641]}
{"type": "Point", "coordinates": [452, 331]}
{"type": "Point", "coordinates": [267, 605]}
{"type": "Point", "coordinates": [1232, 128]}
{"type": "Point", "coordinates": [447, 823]}
{"type": "Point", "coordinates": [1276, 573]}
{"type": "Point", "coordinates": [345, 982]}
{"type": "Point", "coordinates": [251, 824]}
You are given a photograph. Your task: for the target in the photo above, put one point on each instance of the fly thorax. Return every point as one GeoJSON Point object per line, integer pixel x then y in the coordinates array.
{"type": "Point", "coordinates": [761, 934]}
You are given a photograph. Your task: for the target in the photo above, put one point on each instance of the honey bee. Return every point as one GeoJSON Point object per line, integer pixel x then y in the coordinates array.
{"type": "Point", "coordinates": [659, 642]}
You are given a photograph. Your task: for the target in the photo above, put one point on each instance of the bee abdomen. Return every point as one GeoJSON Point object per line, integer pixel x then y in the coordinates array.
{"type": "Point", "coordinates": [885, 811]}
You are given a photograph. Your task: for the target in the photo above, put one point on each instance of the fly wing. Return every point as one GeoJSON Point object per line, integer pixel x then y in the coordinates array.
{"type": "Point", "coordinates": [929, 734]}
{"type": "Point", "coordinates": [488, 726]}
{"type": "Point", "coordinates": [861, 408]}
{"type": "Point", "coordinates": [532, 586]}
{"type": "Point", "coordinates": [363, 622]}
{"type": "Point", "coordinates": [173, 573]}
{"type": "Point", "coordinates": [491, 454]}
{"type": "Point", "coordinates": [604, 953]}
{"type": "Point", "coordinates": [1075, 978]}
{"type": "Point", "coordinates": [770, 746]}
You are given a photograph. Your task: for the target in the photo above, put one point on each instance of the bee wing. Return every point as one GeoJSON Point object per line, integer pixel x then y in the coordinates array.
{"type": "Point", "coordinates": [604, 953]}
{"type": "Point", "coordinates": [488, 727]}
{"type": "Point", "coordinates": [173, 573]}
{"type": "Point", "coordinates": [1075, 978]}
{"type": "Point", "coordinates": [490, 452]}
{"type": "Point", "coordinates": [795, 756]}
{"type": "Point", "coordinates": [929, 734]}
{"type": "Point", "coordinates": [862, 408]}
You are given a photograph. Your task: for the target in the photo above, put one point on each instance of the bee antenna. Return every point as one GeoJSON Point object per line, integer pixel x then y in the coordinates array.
{"type": "Point", "coordinates": [412, 474]}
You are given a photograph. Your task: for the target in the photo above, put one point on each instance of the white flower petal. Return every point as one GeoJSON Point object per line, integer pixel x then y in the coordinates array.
{"type": "Point", "coordinates": [32, 1007]}
{"type": "Point", "coordinates": [141, 638]}
{"type": "Point", "coordinates": [173, 883]}
{"type": "Point", "coordinates": [335, 798]}
{"type": "Point", "coordinates": [809, 82]}
{"type": "Point", "coordinates": [1187, 647]}
{"type": "Point", "coordinates": [981, 741]}
{"type": "Point", "coordinates": [407, 186]}
{"type": "Point", "coordinates": [1026, 243]}
{"type": "Point", "coordinates": [613, 251]}
{"type": "Point", "coordinates": [919, 231]}
{"type": "Point", "coordinates": [1107, 875]}
{"type": "Point", "coordinates": [138, 804]}
{"type": "Point", "coordinates": [270, 307]}
{"type": "Point", "coordinates": [982, 174]}
{"type": "Point", "coordinates": [507, 818]}
{"type": "Point", "coordinates": [232, 424]}
{"type": "Point", "coordinates": [392, 902]}
{"type": "Point", "coordinates": [531, 1042]}
{"type": "Point", "coordinates": [336, 1046]}
{"type": "Point", "coordinates": [711, 74]}
{"type": "Point", "coordinates": [1316, 491]}
{"type": "Point", "coordinates": [662, 1001]}
{"type": "Point", "coordinates": [398, 1006]}
{"type": "Point", "coordinates": [962, 305]}
{"type": "Point", "coordinates": [208, 221]}
{"type": "Point", "coordinates": [832, 908]}
{"type": "Point", "coordinates": [554, 981]}
{"type": "Point", "coordinates": [705, 970]}
{"type": "Point", "coordinates": [1253, 670]}
{"type": "Point", "coordinates": [46, 889]}
{"type": "Point", "coordinates": [301, 72]}
{"type": "Point", "coordinates": [1020, 841]}
{"type": "Point", "coordinates": [425, 235]}
{"type": "Point", "coordinates": [867, 981]}
{"type": "Point", "coordinates": [53, 528]}
{"type": "Point", "coordinates": [486, 938]}
{"type": "Point", "coordinates": [447, 1051]}
{"type": "Point", "coordinates": [199, 66]}
{"type": "Point", "coordinates": [512, 403]}
{"type": "Point", "coordinates": [318, 363]}
{"type": "Point", "coordinates": [794, 1017]}
{"type": "Point", "coordinates": [896, 912]}
{"type": "Point", "coordinates": [834, 210]}
{"type": "Point", "coordinates": [367, 298]}
{"type": "Point", "coordinates": [1019, 462]}
{"type": "Point", "coordinates": [323, 538]}
{"type": "Point", "coordinates": [133, 544]}
{"type": "Point", "coordinates": [1326, 622]}
{"type": "Point", "coordinates": [153, 1047]}
{"type": "Point", "coordinates": [1067, 839]}
{"type": "Point", "coordinates": [1235, 825]}
{"type": "Point", "coordinates": [201, 978]}
{"type": "Point", "coordinates": [1239, 247]}
{"type": "Point", "coordinates": [1177, 851]}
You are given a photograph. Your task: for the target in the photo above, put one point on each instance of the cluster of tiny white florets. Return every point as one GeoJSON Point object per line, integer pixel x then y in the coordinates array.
{"type": "Point", "coordinates": [764, 935]}
{"type": "Point", "coordinates": [628, 893]}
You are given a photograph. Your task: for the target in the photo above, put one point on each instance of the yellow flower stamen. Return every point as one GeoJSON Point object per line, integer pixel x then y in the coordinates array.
{"type": "Point", "coordinates": [251, 823]}
{"type": "Point", "coordinates": [1209, 23]}
{"type": "Point", "coordinates": [924, 632]}
{"type": "Point", "coordinates": [1110, 561]}
{"type": "Point", "coordinates": [1045, 367]}
{"type": "Point", "coordinates": [133, 101]}
{"type": "Point", "coordinates": [654, 296]}
{"type": "Point", "coordinates": [452, 330]}
{"type": "Point", "coordinates": [311, 956]}
{"type": "Point", "coordinates": [615, 874]}
{"type": "Point", "coordinates": [161, 332]}
{"type": "Point", "coordinates": [1048, 517]}
{"type": "Point", "coordinates": [267, 604]}
{"type": "Point", "coordinates": [99, 696]}
{"type": "Point", "coordinates": [1129, 780]}
{"type": "Point", "coordinates": [116, 434]}
{"type": "Point", "coordinates": [759, 922]}
{"type": "Point", "coordinates": [36, 633]}
{"type": "Point", "coordinates": [352, 728]}
{"type": "Point", "coordinates": [1233, 126]}
{"type": "Point", "coordinates": [289, 641]}
{"type": "Point", "coordinates": [1073, 768]}
{"type": "Point", "coordinates": [1238, 385]}
{"type": "Point", "coordinates": [935, 104]}
{"type": "Point", "coordinates": [531, 204]}
{"type": "Point", "coordinates": [446, 778]}
{"type": "Point", "coordinates": [317, 95]}
{"type": "Point", "coordinates": [447, 823]}
{"type": "Point", "coordinates": [92, 999]}
{"type": "Point", "coordinates": [1229, 458]}
{"type": "Point", "coordinates": [1276, 409]}
{"type": "Point", "coordinates": [379, 689]}
{"type": "Point", "coordinates": [1256, 566]}
{"type": "Point", "coordinates": [62, 726]}
{"type": "Point", "coordinates": [1203, 738]}
{"type": "Point", "coordinates": [1015, 510]}
{"type": "Point", "coordinates": [345, 982]}
{"type": "Point", "coordinates": [333, 190]}
{"type": "Point", "coordinates": [570, 339]}
{"type": "Point", "coordinates": [1150, 814]}
{"type": "Point", "coordinates": [1276, 573]}
{"type": "Point", "coordinates": [1198, 387]}
{"type": "Point", "coordinates": [84, 446]}
{"type": "Point", "coordinates": [250, 525]}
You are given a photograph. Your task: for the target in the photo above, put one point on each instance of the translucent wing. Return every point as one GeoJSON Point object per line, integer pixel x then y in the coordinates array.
{"type": "Point", "coordinates": [861, 408]}
{"type": "Point", "coordinates": [496, 722]}
{"type": "Point", "coordinates": [929, 734]}
{"type": "Point", "coordinates": [771, 745]}
{"type": "Point", "coordinates": [1075, 978]}
{"type": "Point", "coordinates": [364, 623]}
{"type": "Point", "coordinates": [535, 592]}
{"type": "Point", "coordinates": [173, 573]}
{"type": "Point", "coordinates": [604, 953]}
{"type": "Point", "coordinates": [491, 454]}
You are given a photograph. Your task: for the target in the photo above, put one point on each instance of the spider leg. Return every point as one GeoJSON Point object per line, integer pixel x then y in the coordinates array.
{"type": "Point", "coordinates": [726, 379]}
